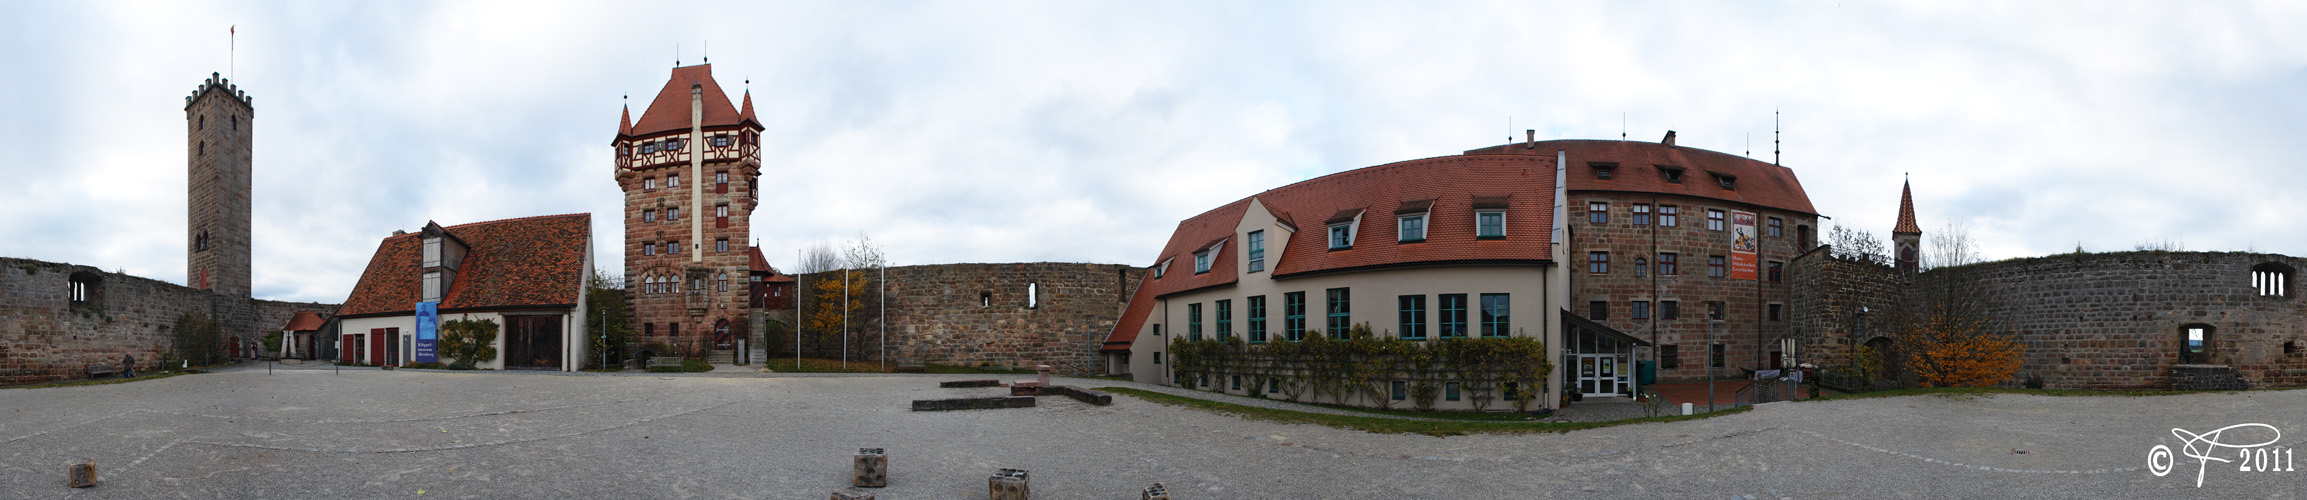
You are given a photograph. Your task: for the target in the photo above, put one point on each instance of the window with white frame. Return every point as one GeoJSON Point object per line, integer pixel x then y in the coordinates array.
{"type": "Point", "coordinates": [1490, 224]}
{"type": "Point", "coordinates": [1201, 262]}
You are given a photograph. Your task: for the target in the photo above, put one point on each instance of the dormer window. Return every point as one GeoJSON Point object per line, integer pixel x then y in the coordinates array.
{"type": "Point", "coordinates": [432, 252]}
{"type": "Point", "coordinates": [1161, 269]}
{"type": "Point", "coordinates": [432, 287]}
{"type": "Point", "coordinates": [1257, 250]}
{"type": "Point", "coordinates": [1201, 262]}
{"type": "Point", "coordinates": [1490, 224]}
{"type": "Point", "coordinates": [1410, 220]}
{"type": "Point", "coordinates": [1341, 236]}
{"type": "Point", "coordinates": [1413, 228]}
{"type": "Point", "coordinates": [1603, 171]}
{"type": "Point", "coordinates": [1673, 174]}
{"type": "Point", "coordinates": [1729, 182]}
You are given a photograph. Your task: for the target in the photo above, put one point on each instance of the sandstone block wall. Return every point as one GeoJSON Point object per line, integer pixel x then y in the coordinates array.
{"type": "Point", "coordinates": [1829, 295]}
{"type": "Point", "coordinates": [43, 338]}
{"type": "Point", "coordinates": [2115, 320]}
{"type": "Point", "coordinates": [973, 314]}
{"type": "Point", "coordinates": [1749, 335]}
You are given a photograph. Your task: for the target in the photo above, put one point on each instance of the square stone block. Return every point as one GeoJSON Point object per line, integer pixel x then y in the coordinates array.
{"type": "Point", "coordinates": [852, 494]}
{"type": "Point", "coordinates": [84, 475]}
{"type": "Point", "coordinates": [1008, 484]}
{"type": "Point", "coordinates": [871, 469]}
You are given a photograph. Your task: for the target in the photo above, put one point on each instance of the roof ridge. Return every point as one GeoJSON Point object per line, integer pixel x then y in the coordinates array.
{"type": "Point", "coordinates": [518, 219]}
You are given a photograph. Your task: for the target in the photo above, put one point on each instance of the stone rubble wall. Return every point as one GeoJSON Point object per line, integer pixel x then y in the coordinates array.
{"type": "Point", "coordinates": [44, 339]}
{"type": "Point", "coordinates": [2092, 321]}
{"type": "Point", "coordinates": [1829, 295]}
{"type": "Point", "coordinates": [976, 314]}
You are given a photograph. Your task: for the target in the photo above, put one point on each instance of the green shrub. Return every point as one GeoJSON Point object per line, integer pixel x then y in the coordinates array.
{"type": "Point", "coordinates": [1359, 365]}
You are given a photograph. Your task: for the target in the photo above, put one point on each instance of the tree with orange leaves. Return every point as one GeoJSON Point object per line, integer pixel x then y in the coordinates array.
{"type": "Point", "coordinates": [1946, 351]}
{"type": "Point", "coordinates": [1947, 327]}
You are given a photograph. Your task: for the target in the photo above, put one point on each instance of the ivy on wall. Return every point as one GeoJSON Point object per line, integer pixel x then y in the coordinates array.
{"type": "Point", "coordinates": [1337, 370]}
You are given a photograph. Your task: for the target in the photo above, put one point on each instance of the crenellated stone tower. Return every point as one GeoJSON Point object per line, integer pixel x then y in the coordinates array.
{"type": "Point", "coordinates": [690, 170]}
{"type": "Point", "coordinates": [218, 122]}
{"type": "Point", "coordinates": [1906, 237]}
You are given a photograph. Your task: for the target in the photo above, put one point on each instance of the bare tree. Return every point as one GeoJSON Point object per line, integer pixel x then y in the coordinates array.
{"type": "Point", "coordinates": [817, 258]}
{"type": "Point", "coordinates": [1951, 246]}
{"type": "Point", "coordinates": [863, 253]}
{"type": "Point", "coordinates": [2162, 245]}
{"type": "Point", "coordinates": [1856, 244]}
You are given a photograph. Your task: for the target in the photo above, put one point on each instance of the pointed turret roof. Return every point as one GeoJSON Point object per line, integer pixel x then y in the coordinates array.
{"type": "Point", "coordinates": [625, 125]}
{"type": "Point", "coordinates": [1906, 223]}
{"type": "Point", "coordinates": [746, 112]}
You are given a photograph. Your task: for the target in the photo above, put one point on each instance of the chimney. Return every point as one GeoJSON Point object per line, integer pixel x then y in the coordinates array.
{"type": "Point", "coordinates": [1669, 141]}
{"type": "Point", "coordinates": [397, 232]}
{"type": "Point", "coordinates": [1530, 138]}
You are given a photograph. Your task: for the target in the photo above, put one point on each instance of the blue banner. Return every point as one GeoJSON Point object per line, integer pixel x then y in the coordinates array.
{"type": "Point", "coordinates": [428, 328]}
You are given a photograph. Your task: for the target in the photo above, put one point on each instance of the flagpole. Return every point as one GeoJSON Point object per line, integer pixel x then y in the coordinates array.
{"type": "Point", "coordinates": [799, 285]}
{"type": "Point", "coordinates": [883, 316]}
{"type": "Point", "coordinates": [845, 319]}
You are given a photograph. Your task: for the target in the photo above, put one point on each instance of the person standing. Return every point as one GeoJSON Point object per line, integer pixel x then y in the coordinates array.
{"type": "Point", "coordinates": [128, 366]}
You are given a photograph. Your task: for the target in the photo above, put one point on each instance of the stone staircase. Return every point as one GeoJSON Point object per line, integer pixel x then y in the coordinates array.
{"type": "Point", "coordinates": [721, 357]}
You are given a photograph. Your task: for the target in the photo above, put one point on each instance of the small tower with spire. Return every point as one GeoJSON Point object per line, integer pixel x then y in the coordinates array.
{"type": "Point", "coordinates": [1906, 237]}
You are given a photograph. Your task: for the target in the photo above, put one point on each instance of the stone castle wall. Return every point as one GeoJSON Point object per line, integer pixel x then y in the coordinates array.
{"type": "Point", "coordinates": [43, 338]}
{"type": "Point", "coordinates": [2115, 320]}
{"type": "Point", "coordinates": [977, 314]}
{"type": "Point", "coordinates": [1830, 295]}
{"type": "Point", "coordinates": [2089, 321]}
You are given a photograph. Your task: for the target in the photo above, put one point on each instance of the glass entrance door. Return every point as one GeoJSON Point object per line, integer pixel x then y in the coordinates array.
{"type": "Point", "coordinates": [1598, 374]}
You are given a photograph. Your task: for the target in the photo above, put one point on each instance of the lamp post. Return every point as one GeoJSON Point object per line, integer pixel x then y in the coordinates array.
{"type": "Point", "coordinates": [1711, 326]}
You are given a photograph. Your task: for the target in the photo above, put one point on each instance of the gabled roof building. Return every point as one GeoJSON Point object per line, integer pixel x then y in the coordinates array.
{"type": "Point", "coordinates": [528, 275]}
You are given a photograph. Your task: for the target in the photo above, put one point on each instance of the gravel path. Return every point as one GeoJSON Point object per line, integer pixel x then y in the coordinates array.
{"type": "Point", "coordinates": [310, 432]}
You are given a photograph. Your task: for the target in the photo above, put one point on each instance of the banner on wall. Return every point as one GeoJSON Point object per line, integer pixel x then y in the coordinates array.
{"type": "Point", "coordinates": [1743, 246]}
{"type": "Point", "coordinates": [428, 331]}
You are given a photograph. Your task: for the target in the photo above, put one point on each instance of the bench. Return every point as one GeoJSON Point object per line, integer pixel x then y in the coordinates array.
{"type": "Point", "coordinates": [664, 362]}
{"type": "Point", "coordinates": [915, 365]}
{"type": "Point", "coordinates": [102, 370]}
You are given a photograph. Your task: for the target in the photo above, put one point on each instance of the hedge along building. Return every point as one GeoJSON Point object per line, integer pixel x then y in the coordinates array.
{"type": "Point", "coordinates": [1440, 248]}
{"type": "Point", "coordinates": [690, 172]}
{"type": "Point", "coordinates": [528, 275]}
{"type": "Point", "coordinates": [1654, 252]}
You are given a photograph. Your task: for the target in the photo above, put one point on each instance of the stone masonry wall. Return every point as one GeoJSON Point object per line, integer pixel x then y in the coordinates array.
{"type": "Point", "coordinates": [973, 314]}
{"type": "Point", "coordinates": [1829, 294]}
{"type": "Point", "coordinates": [2115, 320]}
{"type": "Point", "coordinates": [43, 338]}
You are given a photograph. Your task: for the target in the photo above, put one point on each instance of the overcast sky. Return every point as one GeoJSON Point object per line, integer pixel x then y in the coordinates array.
{"type": "Point", "coordinates": [1083, 131]}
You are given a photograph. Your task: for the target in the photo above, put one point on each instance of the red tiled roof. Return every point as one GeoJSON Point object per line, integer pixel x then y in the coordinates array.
{"type": "Point", "coordinates": [625, 123]}
{"type": "Point", "coordinates": [1638, 170]}
{"type": "Point", "coordinates": [760, 265]}
{"type": "Point", "coordinates": [670, 111]}
{"type": "Point", "coordinates": [1906, 223]}
{"type": "Point", "coordinates": [305, 321]}
{"type": "Point", "coordinates": [533, 261]}
{"type": "Point", "coordinates": [1448, 185]}
{"type": "Point", "coordinates": [746, 114]}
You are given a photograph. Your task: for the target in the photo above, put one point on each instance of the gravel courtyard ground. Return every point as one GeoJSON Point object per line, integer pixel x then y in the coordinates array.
{"type": "Point", "coordinates": [311, 433]}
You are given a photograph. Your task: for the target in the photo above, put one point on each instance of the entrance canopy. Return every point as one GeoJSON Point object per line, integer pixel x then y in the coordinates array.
{"type": "Point", "coordinates": [1598, 358]}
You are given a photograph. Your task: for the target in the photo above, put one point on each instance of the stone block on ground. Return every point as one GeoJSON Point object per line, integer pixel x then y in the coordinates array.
{"type": "Point", "coordinates": [871, 469]}
{"type": "Point", "coordinates": [1077, 393]}
{"type": "Point", "coordinates": [1043, 374]}
{"type": "Point", "coordinates": [1008, 484]}
{"type": "Point", "coordinates": [969, 383]}
{"type": "Point", "coordinates": [1025, 388]}
{"type": "Point", "coordinates": [1155, 492]}
{"type": "Point", "coordinates": [84, 474]}
{"type": "Point", "coordinates": [852, 494]}
{"type": "Point", "coordinates": [973, 403]}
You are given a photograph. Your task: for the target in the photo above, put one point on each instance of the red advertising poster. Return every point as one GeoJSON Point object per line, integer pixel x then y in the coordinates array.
{"type": "Point", "coordinates": [1743, 246]}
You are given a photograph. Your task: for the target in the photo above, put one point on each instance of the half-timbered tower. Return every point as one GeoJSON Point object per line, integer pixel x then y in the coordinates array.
{"type": "Point", "coordinates": [690, 169]}
{"type": "Point", "coordinates": [218, 120]}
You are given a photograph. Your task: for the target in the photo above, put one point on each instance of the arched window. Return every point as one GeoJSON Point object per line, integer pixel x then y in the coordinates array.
{"type": "Point", "coordinates": [2272, 279]}
{"type": "Point", "coordinates": [721, 282]}
{"type": "Point", "coordinates": [203, 123]}
{"type": "Point", "coordinates": [2195, 344]}
{"type": "Point", "coordinates": [1641, 267]}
